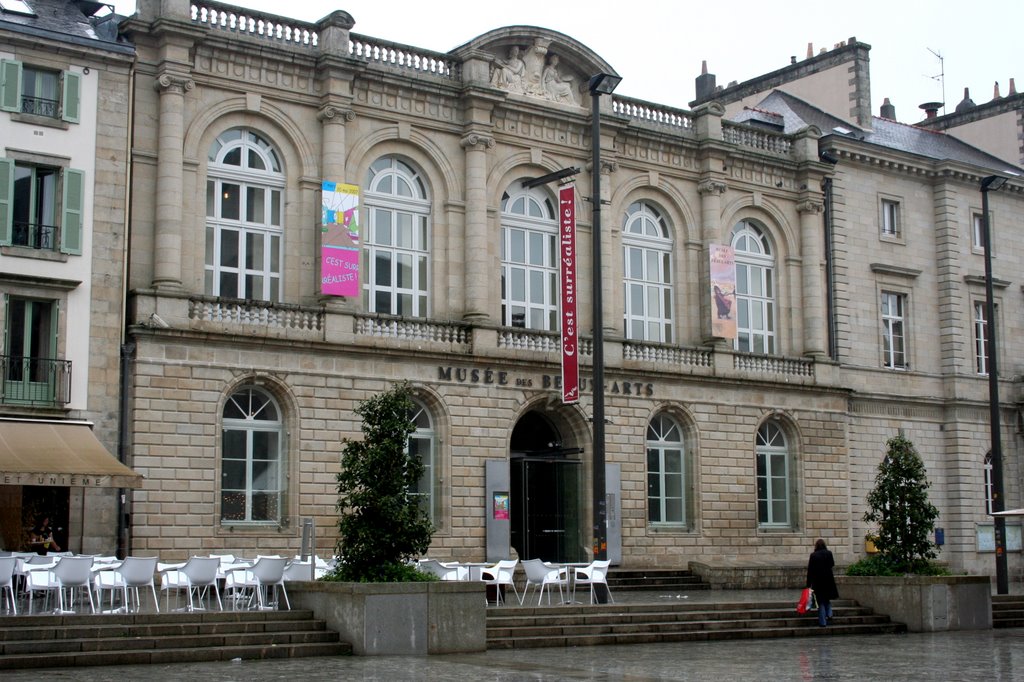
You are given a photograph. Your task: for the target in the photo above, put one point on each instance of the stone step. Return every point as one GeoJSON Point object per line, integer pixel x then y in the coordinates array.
{"type": "Point", "coordinates": [634, 623]}
{"type": "Point", "coordinates": [654, 579]}
{"type": "Point", "coordinates": [117, 639]}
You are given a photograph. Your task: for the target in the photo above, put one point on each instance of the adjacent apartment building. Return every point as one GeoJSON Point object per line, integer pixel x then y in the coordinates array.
{"type": "Point", "coordinates": [64, 111]}
{"type": "Point", "coordinates": [317, 214]}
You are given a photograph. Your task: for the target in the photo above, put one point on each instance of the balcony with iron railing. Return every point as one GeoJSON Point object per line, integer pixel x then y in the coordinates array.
{"type": "Point", "coordinates": [40, 106]}
{"type": "Point", "coordinates": [40, 382]}
{"type": "Point", "coordinates": [34, 236]}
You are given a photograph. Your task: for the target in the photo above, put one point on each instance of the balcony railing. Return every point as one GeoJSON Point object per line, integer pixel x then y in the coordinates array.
{"type": "Point", "coordinates": [40, 106]}
{"type": "Point", "coordinates": [34, 236]}
{"type": "Point", "coordinates": [35, 381]}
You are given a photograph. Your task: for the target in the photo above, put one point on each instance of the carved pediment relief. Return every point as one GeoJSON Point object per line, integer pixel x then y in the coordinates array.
{"type": "Point", "coordinates": [533, 69]}
{"type": "Point", "coordinates": [537, 62]}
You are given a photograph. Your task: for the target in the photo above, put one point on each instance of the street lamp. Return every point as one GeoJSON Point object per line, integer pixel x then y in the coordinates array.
{"type": "Point", "coordinates": [991, 184]}
{"type": "Point", "coordinates": [601, 84]}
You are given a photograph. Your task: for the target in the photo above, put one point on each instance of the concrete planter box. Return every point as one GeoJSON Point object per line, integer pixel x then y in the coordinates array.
{"type": "Point", "coordinates": [399, 618]}
{"type": "Point", "coordinates": [925, 603]}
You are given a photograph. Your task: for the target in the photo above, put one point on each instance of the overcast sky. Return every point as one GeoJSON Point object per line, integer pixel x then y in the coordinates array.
{"type": "Point", "coordinates": [657, 45]}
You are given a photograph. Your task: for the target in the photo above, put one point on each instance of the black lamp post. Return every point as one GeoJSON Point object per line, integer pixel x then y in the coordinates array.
{"type": "Point", "coordinates": [601, 84]}
{"type": "Point", "coordinates": [991, 184]}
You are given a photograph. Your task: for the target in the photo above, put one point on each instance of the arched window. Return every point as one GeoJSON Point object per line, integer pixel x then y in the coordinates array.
{"type": "Point", "coordinates": [773, 476]}
{"type": "Point", "coordinates": [423, 443]}
{"type": "Point", "coordinates": [755, 290]}
{"type": "Point", "coordinates": [666, 472]}
{"type": "Point", "coordinates": [244, 226]}
{"type": "Point", "coordinates": [529, 269]}
{"type": "Point", "coordinates": [647, 248]}
{"type": "Point", "coordinates": [396, 244]}
{"type": "Point", "coordinates": [252, 478]}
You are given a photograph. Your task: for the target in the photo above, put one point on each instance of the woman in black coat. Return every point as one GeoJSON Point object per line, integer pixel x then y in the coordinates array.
{"type": "Point", "coordinates": [821, 580]}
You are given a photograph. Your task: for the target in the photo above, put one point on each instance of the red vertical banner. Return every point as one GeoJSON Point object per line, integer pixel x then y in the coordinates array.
{"type": "Point", "coordinates": [568, 284]}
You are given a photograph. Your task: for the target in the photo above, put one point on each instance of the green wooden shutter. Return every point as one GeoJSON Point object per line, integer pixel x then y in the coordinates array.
{"type": "Point", "coordinates": [10, 85]}
{"type": "Point", "coordinates": [6, 200]}
{"type": "Point", "coordinates": [72, 198]}
{"type": "Point", "coordinates": [71, 98]}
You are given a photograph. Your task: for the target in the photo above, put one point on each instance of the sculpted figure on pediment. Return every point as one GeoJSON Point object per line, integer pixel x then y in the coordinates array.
{"type": "Point", "coordinates": [508, 73]}
{"type": "Point", "coordinates": [556, 86]}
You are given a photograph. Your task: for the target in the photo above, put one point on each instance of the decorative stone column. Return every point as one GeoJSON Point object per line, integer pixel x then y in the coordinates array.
{"type": "Point", "coordinates": [813, 288]}
{"type": "Point", "coordinates": [711, 191]}
{"type": "Point", "coordinates": [479, 266]}
{"type": "Point", "coordinates": [170, 156]}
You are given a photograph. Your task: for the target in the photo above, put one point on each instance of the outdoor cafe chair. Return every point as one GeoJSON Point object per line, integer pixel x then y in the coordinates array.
{"type": "Point", "coordinates": [7, 565]}
{"type": "Point", "coordinates": [252, 584]}
{"type": "Point", "coordinates": [73, 573]}
{"type": "Point", "coordinates": [128, 577]}
{"type": "Point", "coordinates": [542, 575]}
{"type": "Point", "coordinates": [443, 571]}
{"type": "Point", "coordinates": [198, 577]}
{"type": "Point", "coordinates": [500, 575]}
{"type": "Point", "coordinates": [594, 574]}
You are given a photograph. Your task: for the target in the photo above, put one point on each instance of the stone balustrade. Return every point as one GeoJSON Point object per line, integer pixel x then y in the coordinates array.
{"type": "Point", "coordinates": [404, 57]}
{"type": "Point", "coordinates": [802, 368]}
{"type": "Point", "coordinates": [762, 140]}
{"type": "Point", "coordinates": [415, 330]}
{"type": "Point", "coordinates": [281, 317]}
{"type": "Point", "coordinates": [664, 354]}
{"type": "Point", "coordinates": [648, 112]}
{"type": "Point", "coordinates": [246, 22]}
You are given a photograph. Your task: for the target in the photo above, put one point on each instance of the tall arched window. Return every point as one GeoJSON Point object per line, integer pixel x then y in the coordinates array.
{"type": "Point", "coordinates": [647, 248]}
{"type": "Point", "coordinates": [396, 245]}
{"type": "Point", "coordinates": [529, 269]}
{"type": "Point", "coordinates": [666, 472]}
{"type": "Point", "coordinates": [755, 289]}
{"type": "Point", "coordinates": [773, 476]}
{"type": "Point", "coordinates": [423, 443]}
{"type": "Point", "coordinates": [244, 225]}
{"type": "Point", "coordinates": [252, 478]}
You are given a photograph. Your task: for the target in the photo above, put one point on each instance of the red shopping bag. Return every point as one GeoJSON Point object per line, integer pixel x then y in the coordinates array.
{"type": "Point", "coordinates": [806, 600]}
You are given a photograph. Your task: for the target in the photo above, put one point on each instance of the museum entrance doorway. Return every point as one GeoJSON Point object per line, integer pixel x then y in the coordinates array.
{"type": "Point", "coordinates": [546, 480]}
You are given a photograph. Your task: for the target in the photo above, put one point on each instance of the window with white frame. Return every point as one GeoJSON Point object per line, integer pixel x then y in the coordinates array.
{"type": "Point", "coordinates": [647, 256]}
{"type": "Point", "coordinates": [755, 289]}
{"type": "Point", "coordinates": [41, 206]}
{"type": "Point", "coordinates": [244, 217]}
{"type": "Point", "coordinates": [891, 218]}
{"type": "Point", "coordinates": [423, 444]}
{"type": "Point", "coordinates": [988, 483]}
{"type": "Point", "coordinates": [40, 92]}
{"type": "Point", "coordinates": [894, 354]}
{"type": "Point", "coordinates": [773, 476]}
{"type": "Point", "coordinates": [980, 338]}
{"type": "Point", "coordinates": [977, 232]}
{"type": "Point", "coordinates": [529, 269]}
{"type": "Point", "coordinates": [252, 466]}
{"type": "Point", "coordinates": [396, 257]}
{"type": "Point", "coordinates": [666, 472]}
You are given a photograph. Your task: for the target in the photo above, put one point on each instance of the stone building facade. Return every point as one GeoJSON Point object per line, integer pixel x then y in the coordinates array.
{"type": "Point", "coordinates": [64, 110]}
{"type": "Point", "coordinates": [718, 449]}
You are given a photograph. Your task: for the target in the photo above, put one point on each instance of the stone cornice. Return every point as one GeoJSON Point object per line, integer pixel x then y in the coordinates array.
{"type": "Point", "coordinates": [894, 270]}
{"type": "Point", "coordinates": [979, 280]}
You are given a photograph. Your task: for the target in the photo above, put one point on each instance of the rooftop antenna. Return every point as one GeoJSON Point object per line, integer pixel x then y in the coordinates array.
{"type": "Point", "coordinates": [942, 75]}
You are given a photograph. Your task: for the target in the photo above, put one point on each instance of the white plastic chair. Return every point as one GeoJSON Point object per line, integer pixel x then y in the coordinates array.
{"type": "Point", "coordinates": [253, 584]}
{"type": "Point", "coordinates": [128, 577]}
{"type": "Point", "coordinates": [501, 575]}
{"type": "Point", "coordinates": [297, 570]}
{"type": "Point", "coordinates": [7, 565]}
{"type": "Point", "coordinates": [541, 575]}
{"type": "Point", "coordinates": [443, 571]}
{"type": "Point", "coordinates": [39, 579]}
{"type": "Point", "coordinates": [594, 574]}
{"type": "Point", "coordinates": [73, 573]}
{"type": "Point", "coordinates": [198, 577]}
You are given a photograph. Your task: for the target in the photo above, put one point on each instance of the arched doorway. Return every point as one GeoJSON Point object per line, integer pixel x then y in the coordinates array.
{"type": "Point", "coordinates": [546, 476]}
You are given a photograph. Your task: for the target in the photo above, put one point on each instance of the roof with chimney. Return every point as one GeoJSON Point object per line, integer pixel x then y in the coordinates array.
{"type": "Point", "coordinates": [794, 114]}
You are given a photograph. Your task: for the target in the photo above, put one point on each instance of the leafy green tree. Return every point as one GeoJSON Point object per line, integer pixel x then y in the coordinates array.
{"type": "Point", "coordinates": [899, 506]}
{"type": "Point", "coordinates": [381, 524]}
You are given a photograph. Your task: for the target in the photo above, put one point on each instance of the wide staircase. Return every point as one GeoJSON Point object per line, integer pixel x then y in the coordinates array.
{"type": "Point", "coordinates": [1007, 610]}
{"type": "Point", "coordinates": [639, 623]}
{"type": "Point", "coordinates": [654, 579]}
{"type": "Point", "coordinates": [110, 639]}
